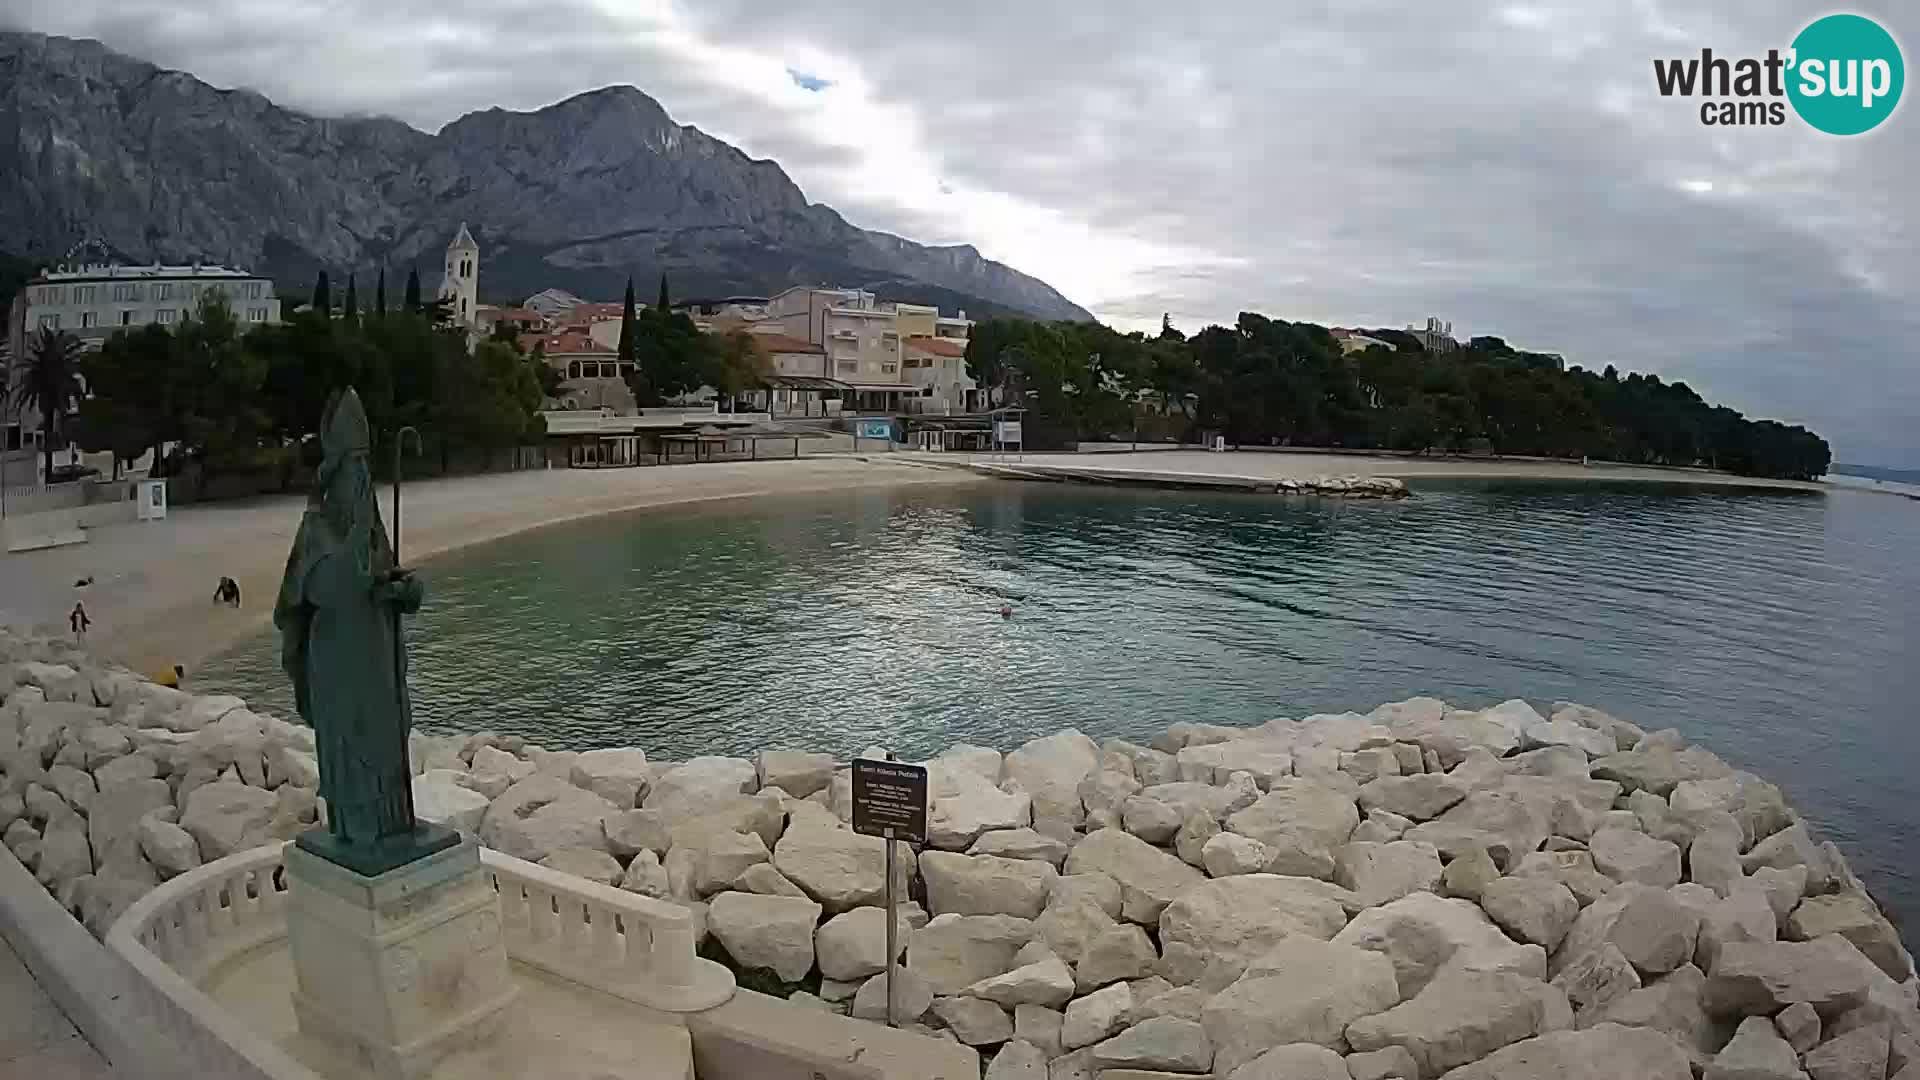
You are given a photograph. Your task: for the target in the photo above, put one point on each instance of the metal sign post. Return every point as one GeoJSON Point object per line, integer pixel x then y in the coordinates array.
{"type": "Point", "coordinates": [890, 801]}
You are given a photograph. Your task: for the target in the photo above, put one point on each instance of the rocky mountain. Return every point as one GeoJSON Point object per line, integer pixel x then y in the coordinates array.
{"type": "Point", "coordinates": [157, 164]}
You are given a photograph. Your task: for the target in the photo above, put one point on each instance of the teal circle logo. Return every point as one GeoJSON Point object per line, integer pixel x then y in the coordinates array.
{"type": "Point", "coordinates": [1847, 74]}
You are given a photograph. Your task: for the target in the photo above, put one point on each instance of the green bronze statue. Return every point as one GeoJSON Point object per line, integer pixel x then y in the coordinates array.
{"type": "Point", "coordinates": [339, 618]}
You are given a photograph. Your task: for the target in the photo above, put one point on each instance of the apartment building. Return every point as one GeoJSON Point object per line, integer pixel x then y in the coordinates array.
{"type": "Point", "coordinates": [864, 339]}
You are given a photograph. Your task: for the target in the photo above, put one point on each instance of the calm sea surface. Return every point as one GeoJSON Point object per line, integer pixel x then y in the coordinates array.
{"type": "Point", "coordinates": [1782, 630]}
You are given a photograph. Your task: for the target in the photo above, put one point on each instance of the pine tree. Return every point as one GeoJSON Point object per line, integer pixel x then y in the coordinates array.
{"type": "Point", "coordinates": [413, 290]}
{"type": "Point", "coordinates": [661, 305]}
{"type": "Point", "coordinates": [322, 295]}
{"type": "Point", "coordinates": [380, 295]}
{"type": "Point", "coordinates": [627, 328]}
{"type": "Point", "coordinates": [352, 310]}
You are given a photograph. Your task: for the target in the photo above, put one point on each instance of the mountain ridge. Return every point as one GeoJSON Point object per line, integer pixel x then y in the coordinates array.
{"type": "Point", "coordinates": [578, 194]}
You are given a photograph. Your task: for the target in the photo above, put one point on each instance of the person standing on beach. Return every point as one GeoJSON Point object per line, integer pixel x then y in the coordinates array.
{"type": "Point", "coordinates": [77, 618]}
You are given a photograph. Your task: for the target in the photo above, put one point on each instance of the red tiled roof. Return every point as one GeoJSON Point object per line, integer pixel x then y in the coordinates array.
{"type": "Point", "coordinates": [590, 312]}
{"type": "Point", "coordinates": [936, 347]}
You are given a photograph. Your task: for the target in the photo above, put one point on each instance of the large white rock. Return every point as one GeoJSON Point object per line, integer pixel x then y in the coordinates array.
{"type": "Point", "coordinates": [1301, 990]}
{"type": "Point", "coordinates": [1124, 952]}
{"type": "Point", "coordinates": [1150, 819]}
{"type": "Point", "coordinates": [1574, 869]}
{"type": "Point", "coordinates": [630, 832]}
{"type": "Point", "coordinates": [1164, 1043]}
{"type": "Point", "coordinates": [715, 857]}
{"type": "Point", "coordinates": [773, 932]}
{"type": "Point", "coordinates": [590, 863]}
{"type": "Point", "coordinates": [795, 772]}
{"type": "Point", "coordinates": [693, 786]}
{"type": "Point", "coordinates": [838, 867]}
{"type": "Point", "coordinates": [1021, 843]}
{"type": "Point", "coordinates": [1670, 1005]}
{"type": "Point", "coordinates": [64, 854]}
{"type": "Point", "coordinates": [1627, 855]}
{"type": "Point", "coordinates": [1659, 766]}
{"type": "Point", "coordinates": [1655, 932]}
{"type": "Point", "coordinates": [1213, 931]}
{"type": "Point", "coordinates": [1506, 823]}
{"type": "Point", "coordinates": [1564, 731]}
{"type": "Point", "coordinates": [225, 817]}
{"type": "Point", "coordinates": [1859, 1054]}
{"type": "Point", "coordinates": [1852, 915]}
{"type": "Point", "coordinates": [1074, 917]}
{"type": "Point", "coordinates": [647, 877]}
{"type": "Point", "coordinates": [1304, 822]}
{"type": "Point", "coordinates": [1018, 1060]}
{"type": "Point", "coordinates": [113, 821]}
{"type": "Point", "coordinates": [1266, 759]}
{"type": "Point", "coordinates": [1755, 978]}
{"type": "Point", "coordinates": [440, 799]}
{"type": "Point", "coordinates": [985, 884]}
{"type": "Point", "coordinates": [1756, 1052]}
{"type": "Point", "coordinates": [1045, 983]}
{"type": "Point", "coordinates": [1096, 1016]}
{"type": "Point", "coordinates": [1299, 1061]}
{"type": "Point", "coordinates": [1596, 979]}
{"type": "Point", "coordinates": [1423, 934]}
{"type": "Point", "coordinates": [952, 952]}
{"type": "Point", "coordinates": [540, 815]}
{"type": "Point", "coordinates": [1603, 1052]}
{"type": "Point", "coordinates": [1462, 1017]}
{"type": "Point", "coordinates": [1380, 873]}
{"type": "Point", "coordinates": [617, 775]}
{"type": "Point", "coordinates": [974, 1021]}
{"type": "Point", "coordinates": [853, 945]}
{"type": "Point", "coordinates": [170, 848]}
{"type": "Point", "coordinates": [963, 804]}
{"type": "Point", "coordinates": [1149, 878]}
{"type": "Point", "coordinates": [1050, 769]}
{"type": "Point", "coordinates": [911, 998]}
{"type": "Point", "coordinates": [1227, 854]}
{"type": "Point", "coordinates": [1531, 909]}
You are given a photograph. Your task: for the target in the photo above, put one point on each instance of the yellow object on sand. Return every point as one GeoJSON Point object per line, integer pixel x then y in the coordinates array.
{"type": "Point", "coordinates": [167, 677]}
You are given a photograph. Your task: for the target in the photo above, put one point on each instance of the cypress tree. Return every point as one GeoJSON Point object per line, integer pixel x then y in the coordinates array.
{"type": "Point", "coordinates": [352, 310]}
{"type": "Point", "coordinates": [322, 295]}
{"type": "Point", "coordinates": [380, 294]}
{"type": "Point", "coordinates": [413, 290]}
{"type": "Point", "coordinates": [626, 331]}
{"type": "Point", "coordinates": [661, 304]}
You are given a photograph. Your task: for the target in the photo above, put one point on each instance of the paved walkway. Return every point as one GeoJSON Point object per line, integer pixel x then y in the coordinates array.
{"type": "Point", "coordinates": [36, 1040]}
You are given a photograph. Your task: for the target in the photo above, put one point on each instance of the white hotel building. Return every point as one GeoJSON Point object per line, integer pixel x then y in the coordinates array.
{"type": "Point", "coordinates": [92, 301]}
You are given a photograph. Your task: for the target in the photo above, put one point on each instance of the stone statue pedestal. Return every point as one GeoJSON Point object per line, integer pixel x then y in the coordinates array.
{"type": "Point", "coordinates": [396, 971]}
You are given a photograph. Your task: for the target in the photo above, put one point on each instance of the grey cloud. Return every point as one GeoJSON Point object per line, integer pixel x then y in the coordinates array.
{"type": "Point", "coordinates": [1503, 163]}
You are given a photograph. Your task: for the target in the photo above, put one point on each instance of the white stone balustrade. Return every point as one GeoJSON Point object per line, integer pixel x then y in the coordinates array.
{"type": "Point", "coordinates": [620, 943]}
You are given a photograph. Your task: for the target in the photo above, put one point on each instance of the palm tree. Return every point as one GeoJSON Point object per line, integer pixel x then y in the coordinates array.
{"type": "Point", "coordinates": [49, 383]}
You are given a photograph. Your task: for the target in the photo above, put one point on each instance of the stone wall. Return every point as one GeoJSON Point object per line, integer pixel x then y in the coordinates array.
{"type": "Point", "coordinates": [1414, 891]}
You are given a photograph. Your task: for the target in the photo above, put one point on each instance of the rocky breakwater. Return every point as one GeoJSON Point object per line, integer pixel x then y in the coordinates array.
{"type": "Point", "coordinates": [1415, 892]}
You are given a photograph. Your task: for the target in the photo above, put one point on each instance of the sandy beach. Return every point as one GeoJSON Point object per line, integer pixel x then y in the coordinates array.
{"type": "Point", "coordinates": [1282, 464]}
{"type": "Point", "coordinates": [151, 599]}
{"type": "Point", "coordinates": [151, 596]}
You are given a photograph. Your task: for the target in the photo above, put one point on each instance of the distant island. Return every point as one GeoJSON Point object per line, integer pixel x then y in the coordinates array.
{"type": "Point", "coordinates": [1268, 382]}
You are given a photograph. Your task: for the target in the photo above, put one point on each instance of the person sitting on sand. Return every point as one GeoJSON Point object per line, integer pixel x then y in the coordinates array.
{"type": "Point", "coordinates": [227, 592]}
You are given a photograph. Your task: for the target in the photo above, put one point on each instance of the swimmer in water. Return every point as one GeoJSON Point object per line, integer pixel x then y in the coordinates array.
{"type": "Point", "coordinates": [1006, 611]}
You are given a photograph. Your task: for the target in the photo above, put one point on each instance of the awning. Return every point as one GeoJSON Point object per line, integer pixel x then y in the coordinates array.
{"type": "Point", "coordinates": [892, 387]}
{"type": "Point", "coordinates": [805, 382]}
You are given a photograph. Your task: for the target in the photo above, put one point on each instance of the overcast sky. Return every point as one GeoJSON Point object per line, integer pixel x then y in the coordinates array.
{"type": "Point", "coordinates": [1506, 166]}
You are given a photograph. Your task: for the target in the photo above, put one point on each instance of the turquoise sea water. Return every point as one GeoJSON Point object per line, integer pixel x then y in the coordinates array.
{"type": "Point", "coordinates": [1781, 630]}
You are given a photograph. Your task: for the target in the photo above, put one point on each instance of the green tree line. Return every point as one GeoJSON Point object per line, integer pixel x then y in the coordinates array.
{"type": "Point", "coordinates": [232, 399]}
{"type": "Point", "coordinates": [1270, 382]}
{"type": "Point", "coordinates": [663, 355]}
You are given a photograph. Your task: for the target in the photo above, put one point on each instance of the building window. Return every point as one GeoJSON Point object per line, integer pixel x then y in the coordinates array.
{"type": "Point", "coordinates": [83, 294]}
{"type": "Point", "coordinates": [164, 316]}
{"type": "Point", "coordinates": [573, 370]}
{"type": "Point", "coordinates": [89, 320]}
{"type": "Point", "coordinates": [163, 290]}
{"type": "Point", "coordinates": [257, 314]}
{"type": "Point", "coordinates": [12, 438]}
{"type": "Point", "coordinates": [253, 289]}
{"type": "Point", "coordinates": [50, 322]}
{"type": "Point", "coordinates": [126, 291]}
{"type": "Point", "coordinates": [888, 367]}
{"type": "Point", "coordinates": [126, 317]}
{"type": "Point", "coordinates": [51, 294]}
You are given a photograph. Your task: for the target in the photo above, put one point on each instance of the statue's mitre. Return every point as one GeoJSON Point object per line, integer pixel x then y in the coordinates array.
{"type": "Point", "coordinates": [345, 430]}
